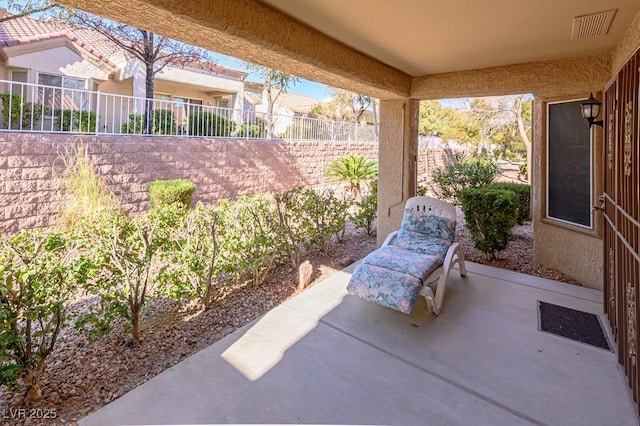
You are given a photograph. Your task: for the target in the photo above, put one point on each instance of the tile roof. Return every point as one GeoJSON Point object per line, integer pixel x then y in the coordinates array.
{"type": "Point", "coordinates": [25, 30]}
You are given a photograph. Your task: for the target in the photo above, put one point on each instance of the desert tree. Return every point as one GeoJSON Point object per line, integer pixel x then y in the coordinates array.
{"type": "Point", "coordinates": [274, 84]}
{"type": "Point", "coordinates": [154, 51]}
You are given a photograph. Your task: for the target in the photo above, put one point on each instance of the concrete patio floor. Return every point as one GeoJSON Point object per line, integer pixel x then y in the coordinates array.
{"type": "Point", "coordinates": [325, 357]}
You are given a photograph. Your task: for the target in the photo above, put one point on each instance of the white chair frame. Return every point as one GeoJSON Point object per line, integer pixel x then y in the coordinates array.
{"type": "Point", "coordinates": [454, 255]}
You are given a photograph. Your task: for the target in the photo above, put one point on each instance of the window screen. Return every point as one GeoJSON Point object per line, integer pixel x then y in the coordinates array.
{"type": "Point", "coordinates": [568, 164]}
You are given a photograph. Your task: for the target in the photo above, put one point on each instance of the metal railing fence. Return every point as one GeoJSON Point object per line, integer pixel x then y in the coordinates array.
{"type": "Point", "coordinates": [38, 108]}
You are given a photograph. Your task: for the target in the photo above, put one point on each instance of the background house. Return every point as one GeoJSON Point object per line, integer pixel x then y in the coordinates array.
{"type": "Point", "coordinates": [53, 53]}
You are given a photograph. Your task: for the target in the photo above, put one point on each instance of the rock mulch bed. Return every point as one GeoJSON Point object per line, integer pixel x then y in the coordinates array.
{"type": "Point", "coordinates": [82, 377]}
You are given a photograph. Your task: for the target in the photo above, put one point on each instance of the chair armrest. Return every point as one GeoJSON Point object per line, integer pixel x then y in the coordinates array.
{"type": "Point", "coordinates": [389, 238]}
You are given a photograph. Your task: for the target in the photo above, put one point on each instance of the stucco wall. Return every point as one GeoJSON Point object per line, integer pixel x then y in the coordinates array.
{"type": "Point", "coordinates": [221, 168]}
{"type": "Point", "coordinates": [627, 46]}
{"type": "Point", "coordinates": [56, 60]}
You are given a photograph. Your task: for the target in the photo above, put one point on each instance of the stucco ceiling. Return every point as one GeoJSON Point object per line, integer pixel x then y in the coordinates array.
{"type": "Point", "coordinates": [422, 37]}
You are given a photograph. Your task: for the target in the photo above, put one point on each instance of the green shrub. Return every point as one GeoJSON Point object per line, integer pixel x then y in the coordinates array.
{"type": "Point", "coordinates": [253, 241]}
{"type": "Point", "coordinates": [473, 172]}
{"type": "Point", "coordinates": [209, 124]}
{"type": "Point", "coordinates": [24, 115]}
{"type": "Point", "coordinates": [129, 274]}
{"type": "Point", "coordinates": [164, 123]}
{"type": "Point", "coordinates": [489, 215]}
{"type": "Point", "coordinates": [256, 130]}
{"type": "Point", "coordinates": [292, 223]}
{"type": "Point", "coordinates": [366, 210]}
{"type": "Point", "coordinates": [523, 192]}
{"type": "Point", "coordinates": [167, 192]}
{"type": "Point", "coordinates": [39, 275]}
{"type": "Point", "coordinates": [135, 125]}
{"type": "Point", "coordinates": [200, 259]}
{"type": "Point", "coordinates": [324, 216]}
{"type": "Point", "coordinates": [69, 120]}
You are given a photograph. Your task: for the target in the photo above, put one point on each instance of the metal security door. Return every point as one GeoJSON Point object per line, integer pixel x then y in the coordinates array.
{"type": "Point", "coordinates": [622, 216]}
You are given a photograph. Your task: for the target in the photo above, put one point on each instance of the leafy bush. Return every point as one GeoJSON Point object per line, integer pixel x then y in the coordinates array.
{"type": "Point", "coordinates": [489, 215]}
{"type": "Point", "coordinates": [164, 123]}
{"type": "Point", "coordinates": [353, 170]}
{"type": "Point", "coordinates": [68, 120]}
{"type": "Point", "coordinates": [293, 226]}
{"type": "Point", "coordinates": [473, 172]}
{"type": "Point", "coordinates": [324, 216]}
{"type": "Point", "coordinates": [252, 238]}
{"type": "Point", "coordinates": [135, 125]}
{"type": "Point", "coordinates": [18, 114]}
{"type": "Point", "coordinates": [209, 124]}
{"type": "Point", "coordinates": [523, 192]}
{"type": "Point", "coordinates": [256, 130]}
{"type": "Point", "coordinates": [200, 260]}
{"type": "Point", "coordinates": [366, 210]}
{"type": "Point", "coordinates": [127, 248]}
{"type": "Point", "coordinates": [167, 192]}
{"type": "Point", "coordinates": [39, 274]}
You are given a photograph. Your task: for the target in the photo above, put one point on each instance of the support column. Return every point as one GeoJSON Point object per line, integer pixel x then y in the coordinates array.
{"type": "Point", "coordinates": [397, 156]}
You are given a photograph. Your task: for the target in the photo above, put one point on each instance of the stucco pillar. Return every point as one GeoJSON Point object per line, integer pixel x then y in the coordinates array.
{"type": "Point", "coordinates": [396, 161]}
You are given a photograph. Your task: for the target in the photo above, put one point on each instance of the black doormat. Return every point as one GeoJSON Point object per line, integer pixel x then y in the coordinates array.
{"type": "Point", "coordinates": [577, 325]}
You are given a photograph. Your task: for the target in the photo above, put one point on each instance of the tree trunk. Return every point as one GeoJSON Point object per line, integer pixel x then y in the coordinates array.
{"type": "Point", "coordinates": [523, 134]}
{"type": "Point", "coordinates": [148, 111]}
{"type": "Point", "coordinates": [375, 120]}
{"type": "Point", "coordinates": [135, 324]}
{"type": "Point", "coordinates": [148, 83]}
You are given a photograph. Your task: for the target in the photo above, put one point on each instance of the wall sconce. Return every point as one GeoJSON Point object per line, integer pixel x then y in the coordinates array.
{"type": "Point", "coordinates": [591, 110]}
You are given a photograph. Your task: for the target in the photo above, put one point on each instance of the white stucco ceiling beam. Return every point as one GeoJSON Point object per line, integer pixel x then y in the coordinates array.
{"type": "Point", "coordinates": [255, 32]}
{"type": "Point", "coordinates": [577, 75]}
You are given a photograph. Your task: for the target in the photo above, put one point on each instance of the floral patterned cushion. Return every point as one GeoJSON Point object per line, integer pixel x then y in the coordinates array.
{"type": "Point", "coordinates": [429, 224]}
{"type": "Point", "coordinates": [385, 287]}
{"type": "Point", "coordinates": [403, 261]}
{"type": "Point", "coordinates": [419, 243]}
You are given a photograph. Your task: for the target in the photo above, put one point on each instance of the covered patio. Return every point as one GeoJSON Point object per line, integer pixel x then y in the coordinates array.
{"type": "Point", "coordinates": [328, 357]}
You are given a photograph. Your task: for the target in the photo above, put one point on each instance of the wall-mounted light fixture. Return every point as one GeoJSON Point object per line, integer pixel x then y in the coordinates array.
{"type": "Point", "coordinates": [591, 110]}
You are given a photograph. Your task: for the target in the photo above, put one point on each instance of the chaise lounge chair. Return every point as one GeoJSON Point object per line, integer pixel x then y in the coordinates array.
{"type": "Point", "coordinates": [412, 260]}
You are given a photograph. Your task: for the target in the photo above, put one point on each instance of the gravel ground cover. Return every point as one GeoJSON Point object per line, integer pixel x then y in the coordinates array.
{"type": "Point", "coordinates": [82, 377]}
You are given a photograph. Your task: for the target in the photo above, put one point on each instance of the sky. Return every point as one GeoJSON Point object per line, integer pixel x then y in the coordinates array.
{"type": "Point", "coordinates": [317, 91]}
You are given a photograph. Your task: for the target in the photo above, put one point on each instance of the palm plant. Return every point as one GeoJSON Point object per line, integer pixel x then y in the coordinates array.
{"type": "Point", "coordinates": [353, 170]}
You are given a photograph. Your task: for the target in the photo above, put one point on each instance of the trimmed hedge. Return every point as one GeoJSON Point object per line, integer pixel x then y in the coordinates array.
{"type": "Point", "coordinates": [523, 191]}
{"type": "Point", "coordinates": [489, 215]}
{"type": "Point", "coordinates": [167, 192]}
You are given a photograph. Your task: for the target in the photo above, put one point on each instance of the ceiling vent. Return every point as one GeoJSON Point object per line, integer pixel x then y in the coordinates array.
{"type": "Point", "coordinates": [594, 25]}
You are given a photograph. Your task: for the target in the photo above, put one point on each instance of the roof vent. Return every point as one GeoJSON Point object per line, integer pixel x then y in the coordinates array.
{"type": "Point", "coordinates": [594, 25]}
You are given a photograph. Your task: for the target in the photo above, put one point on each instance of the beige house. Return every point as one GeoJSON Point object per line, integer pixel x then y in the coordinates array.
{"type": "Point", "coordinates": [288, 105]}
{"type": "Point", "coordinates": [406, 51]}
{"type": "Point", "coordinates": [52, 53]}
